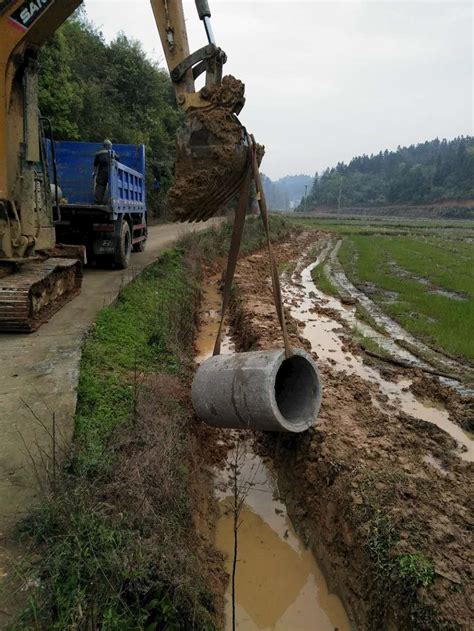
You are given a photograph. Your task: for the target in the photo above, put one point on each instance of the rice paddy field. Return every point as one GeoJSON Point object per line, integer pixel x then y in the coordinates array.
{"type": "Point", "coordinates": [421, 272]}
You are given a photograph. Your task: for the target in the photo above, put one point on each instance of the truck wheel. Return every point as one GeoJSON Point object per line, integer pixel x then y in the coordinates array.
{"type": "Point", "coordinates": [141, 245]}
{"type": "Point", "coordinates": [123, 247]}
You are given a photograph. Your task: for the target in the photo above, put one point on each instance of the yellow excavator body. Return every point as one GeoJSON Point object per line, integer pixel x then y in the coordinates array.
{"type": "Point", "coordinates": [32, 285]}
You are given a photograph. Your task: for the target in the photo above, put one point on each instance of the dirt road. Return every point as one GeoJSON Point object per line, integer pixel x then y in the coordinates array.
{"type": "Point", "coordinates": [38, 377]}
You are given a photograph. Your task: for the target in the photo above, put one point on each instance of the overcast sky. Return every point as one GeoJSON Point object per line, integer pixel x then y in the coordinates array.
{"type": "Point", "coordinates": [329, 80]}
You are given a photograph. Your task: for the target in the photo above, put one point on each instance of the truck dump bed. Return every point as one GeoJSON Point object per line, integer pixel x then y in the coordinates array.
{"type": "Point", "coordinates": [74, 166]}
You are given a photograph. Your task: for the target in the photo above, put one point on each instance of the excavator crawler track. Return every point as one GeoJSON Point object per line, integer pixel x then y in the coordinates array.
{"type": "Point", "coordinates": [32, 295]}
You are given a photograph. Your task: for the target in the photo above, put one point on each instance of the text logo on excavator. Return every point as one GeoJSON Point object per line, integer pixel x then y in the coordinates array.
{"type": "Point", "coordinates": [28, 13]}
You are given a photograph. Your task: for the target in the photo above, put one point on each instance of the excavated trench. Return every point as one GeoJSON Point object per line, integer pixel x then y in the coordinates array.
{"type": "Point", "coordinates": [278, 583]}
{"type": "Point", "coordinates": [388, 444]}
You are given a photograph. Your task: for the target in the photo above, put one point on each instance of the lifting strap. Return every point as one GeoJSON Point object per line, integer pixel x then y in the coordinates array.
{"type": "Point", "coordinates": [252, 172]}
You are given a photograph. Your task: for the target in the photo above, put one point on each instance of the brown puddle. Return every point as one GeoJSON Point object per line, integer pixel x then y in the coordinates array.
{"type": "Point", "coordinates": [209, 316]}
{"type": "Point", "coordinates": [279, 585]}
{"type": "Point", "coordinates": [322, 333]}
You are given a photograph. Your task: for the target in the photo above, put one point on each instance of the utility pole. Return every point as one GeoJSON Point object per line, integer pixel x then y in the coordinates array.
{"type": "Point", "coordinates": [305, 195]}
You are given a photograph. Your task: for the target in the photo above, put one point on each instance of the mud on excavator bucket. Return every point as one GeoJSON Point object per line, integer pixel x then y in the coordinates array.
{"type": "Point", "coordinates": [212, 155]}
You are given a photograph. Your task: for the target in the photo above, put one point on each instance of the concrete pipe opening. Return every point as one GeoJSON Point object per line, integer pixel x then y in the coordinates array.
{"type": "Point", "coordinates": [258, 390]}
{"type": "Point", "coordinates": [297, 392]}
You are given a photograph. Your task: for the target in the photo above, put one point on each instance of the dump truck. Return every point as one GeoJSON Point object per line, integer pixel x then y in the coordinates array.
{"type": "Point", "coordinates": [111, 230]}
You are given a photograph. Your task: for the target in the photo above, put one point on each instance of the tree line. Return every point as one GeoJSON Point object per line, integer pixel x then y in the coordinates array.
{"type": "Point", "coordinates": [432, 171]}
{"type": "Point", "coordinates": [93, 90]}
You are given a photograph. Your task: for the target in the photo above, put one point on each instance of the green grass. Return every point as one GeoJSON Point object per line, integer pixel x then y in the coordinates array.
{"type": "Point", "coordinates": [150, 328]}
{"type": "Point", "coordinates": [439, 320]}
{"type": "Point", "coordinates": [369, 344]}
{"type": "Point", "coordinates": [323, 281]}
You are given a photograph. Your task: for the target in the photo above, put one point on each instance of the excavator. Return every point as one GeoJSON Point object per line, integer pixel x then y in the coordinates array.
{"type": "Point", "coordinates": [37, 275]}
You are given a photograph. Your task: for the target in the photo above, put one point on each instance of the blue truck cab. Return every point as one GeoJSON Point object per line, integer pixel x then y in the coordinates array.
{"type": "Point", "coordinates": [117, 226]}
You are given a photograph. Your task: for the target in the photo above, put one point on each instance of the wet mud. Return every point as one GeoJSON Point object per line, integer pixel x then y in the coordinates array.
{"type": "Point", "coordinates": [383, 479]}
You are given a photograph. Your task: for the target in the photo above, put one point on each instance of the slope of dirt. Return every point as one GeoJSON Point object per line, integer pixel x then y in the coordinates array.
{"type": "Point", "coordinates": [381, 497]}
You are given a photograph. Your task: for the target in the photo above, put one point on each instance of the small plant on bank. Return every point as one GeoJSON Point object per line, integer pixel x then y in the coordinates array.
{"type": "Point", "coordinates": [416, 569]}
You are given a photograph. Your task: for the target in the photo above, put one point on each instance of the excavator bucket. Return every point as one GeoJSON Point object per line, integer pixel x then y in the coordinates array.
{"type": "Point", "coordinates": [212, 155]}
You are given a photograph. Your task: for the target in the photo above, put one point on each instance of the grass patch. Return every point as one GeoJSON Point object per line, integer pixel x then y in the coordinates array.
{"type": "Point", "coordinates": [440, 320]}
{"type": "Point", "coordinates": [416, 569]}
{"type": "Point", "coordinates": [400, 575]}
{"type": "Point", "coordinates": [363, 315]}
{"type": "Point", "coordinates": [150, 328]}
{"type": "Point", "coordinates": [322, 280]}
{"type": "Point", "coordinates": [369, 344]}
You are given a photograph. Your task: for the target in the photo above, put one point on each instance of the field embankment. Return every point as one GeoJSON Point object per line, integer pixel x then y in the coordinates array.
{"type": "Point", "coordinates": [125, 535]}
{"type": "Point", "coordinates": [449, 209]}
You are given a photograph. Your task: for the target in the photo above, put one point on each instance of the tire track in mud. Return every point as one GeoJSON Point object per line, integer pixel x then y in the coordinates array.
{"type": "Point", "coordinates": [371, 487]}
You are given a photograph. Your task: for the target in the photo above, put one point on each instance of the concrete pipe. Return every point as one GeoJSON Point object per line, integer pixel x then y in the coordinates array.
{"type": "Point", "coordinates": [259, 390]}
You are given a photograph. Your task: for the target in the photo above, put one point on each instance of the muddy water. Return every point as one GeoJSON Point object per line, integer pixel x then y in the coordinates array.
{"type": "Point", "coordinates": [209, 317]}
{"type": "Point", "coordinates": [324, 334]}
{"type": "Point", "coordinates": [279, 585]}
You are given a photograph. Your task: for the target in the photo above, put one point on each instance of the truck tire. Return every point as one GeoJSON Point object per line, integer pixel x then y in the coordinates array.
{"type": "Point", "coordinates": [123, 247]}
{"type": "Point", "coordinates": [141, 245]}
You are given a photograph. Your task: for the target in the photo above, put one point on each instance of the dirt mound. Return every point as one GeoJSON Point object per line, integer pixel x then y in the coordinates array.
{"type": "Point", "coordinates": [381, 497]}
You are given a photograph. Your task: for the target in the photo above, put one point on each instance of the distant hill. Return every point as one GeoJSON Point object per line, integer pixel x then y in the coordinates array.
{"type": "Point", "coordinates": [287, 192]}
{"type": "Point", "coordinates": [430, 172]}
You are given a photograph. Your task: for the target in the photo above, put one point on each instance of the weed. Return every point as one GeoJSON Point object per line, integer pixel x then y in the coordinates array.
{"type": "Point", "coordinates": [416, 569]}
